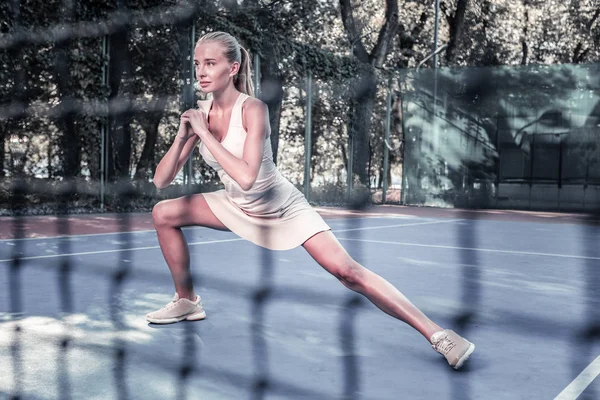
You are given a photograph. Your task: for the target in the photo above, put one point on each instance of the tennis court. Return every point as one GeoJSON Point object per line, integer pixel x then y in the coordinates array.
{"type": "Point", "coordinates": [522, 286]}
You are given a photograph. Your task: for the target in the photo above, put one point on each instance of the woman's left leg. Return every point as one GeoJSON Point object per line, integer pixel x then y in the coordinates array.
{"type": "Point", "coordinates": [329, 253]}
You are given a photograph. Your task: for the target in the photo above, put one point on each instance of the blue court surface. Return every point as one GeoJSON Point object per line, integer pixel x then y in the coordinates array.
{"type": "Point", "coordinates": [527, 293]}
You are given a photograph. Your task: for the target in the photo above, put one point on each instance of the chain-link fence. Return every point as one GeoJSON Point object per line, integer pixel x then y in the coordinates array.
{"type": "Point", "coordinates": [90, 104]}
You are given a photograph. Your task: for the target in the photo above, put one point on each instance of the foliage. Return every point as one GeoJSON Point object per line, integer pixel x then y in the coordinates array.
{"type": "Point", "coordinates": [295, 36]}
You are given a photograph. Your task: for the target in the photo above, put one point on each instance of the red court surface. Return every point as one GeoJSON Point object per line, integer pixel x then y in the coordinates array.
{"type": "Point", "coordinates": [47, 226]}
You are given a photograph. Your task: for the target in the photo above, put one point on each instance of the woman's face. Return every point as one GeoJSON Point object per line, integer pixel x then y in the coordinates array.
{"type": "Point", "coordinates": [213, 70]}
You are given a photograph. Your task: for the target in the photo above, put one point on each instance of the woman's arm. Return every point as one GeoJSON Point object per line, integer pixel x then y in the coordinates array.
{"type": "Point", "coordinates": [180, 150]}
{"type": "Point", "coordinates": [245, 170]}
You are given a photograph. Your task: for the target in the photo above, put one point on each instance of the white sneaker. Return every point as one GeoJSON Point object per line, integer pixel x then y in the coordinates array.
{"type": "Point", "coordinates": [455, 348]}
{"type": "Point", "coordinates": [178, 310]}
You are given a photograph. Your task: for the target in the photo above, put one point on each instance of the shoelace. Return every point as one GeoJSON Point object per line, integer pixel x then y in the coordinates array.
{"type": "Point", "coordinates": [171, 304]}
{"type": "Point", "coordinates": [444, 345]}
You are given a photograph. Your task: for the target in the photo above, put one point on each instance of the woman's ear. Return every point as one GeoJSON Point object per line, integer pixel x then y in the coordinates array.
{"type": "Point", "coordinates": [235, 68]}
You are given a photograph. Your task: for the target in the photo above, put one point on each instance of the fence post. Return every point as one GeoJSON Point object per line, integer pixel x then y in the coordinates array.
{"type": "Point", "coordinates": [104, 131]}
{"type": "Point", "coordinates": [404, 184]}
{"type": "Point", "coordinates": [308, 135]}
{"type": "Point", "coordinates": [256, 75]}
{"type": "Point", "coordinates": [560, 160]}
{"type": "Point", "coordinates": [349, 178]}
{"type": "Point", "coordinates": [499, 161]}
{"type": "Point", "coordinates": [386, 151]}
{"type": "Point", "coordinates": [531, 165]}
{"type": "Point", "coordinates": [187, 96]}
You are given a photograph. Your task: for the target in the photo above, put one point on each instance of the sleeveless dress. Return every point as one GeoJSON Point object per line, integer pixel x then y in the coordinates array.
{"type": "Point", "coordinates": [273, 213]}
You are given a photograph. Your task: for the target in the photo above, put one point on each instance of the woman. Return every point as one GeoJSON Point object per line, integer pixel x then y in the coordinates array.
{"type": "Point", "coordinates": [257, 203]}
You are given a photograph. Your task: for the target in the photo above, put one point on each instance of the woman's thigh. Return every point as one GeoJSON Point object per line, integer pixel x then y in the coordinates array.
{"type": "Point", "coordinates": [192, 210]}
{"type": "Point", "coordinates": [329, 253]}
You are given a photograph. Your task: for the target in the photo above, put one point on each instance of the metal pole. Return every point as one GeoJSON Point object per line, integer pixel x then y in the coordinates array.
{"type": "Point", "coordinates": [435, 33]}
{"type": "Point", "coordinates": [436, 134]}
{"type": "Point", "coordinates": [188, 100]}
{"type": "Point", "coordinates": [307, 136]}
{"type": "Point", "coordinates": [104, 132]}
{"type": "Point", "coordinates": [349, 179]}
{"type": "Point", "coordinates": [256, 75]}
{"type": "Point", "coordinates": [433, 54]}
{"type": "Point", "coordinates": [388, 117]}
{"type": "Point", "coordinates": [405, 186]}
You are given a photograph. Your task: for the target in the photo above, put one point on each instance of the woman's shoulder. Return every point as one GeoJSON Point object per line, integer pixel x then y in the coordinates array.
{"type": "Point", "coordinates": [255, 110]}
{"type": "Point", "coordinates": [254, 105]}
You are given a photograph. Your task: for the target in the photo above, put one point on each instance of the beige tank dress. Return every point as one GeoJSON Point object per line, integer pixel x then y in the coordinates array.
{"type": "Point", "coordinates": [273, 213]}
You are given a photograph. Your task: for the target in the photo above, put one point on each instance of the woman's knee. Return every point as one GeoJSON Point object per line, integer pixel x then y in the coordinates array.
{"type": "Point", "coordinates": [350, 273]}
{"type": "Point", "coordinates": [160, 216]}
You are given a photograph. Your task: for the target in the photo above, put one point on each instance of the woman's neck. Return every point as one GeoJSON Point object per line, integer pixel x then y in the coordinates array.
{"type": "Point", "coordinates": [223, 100]}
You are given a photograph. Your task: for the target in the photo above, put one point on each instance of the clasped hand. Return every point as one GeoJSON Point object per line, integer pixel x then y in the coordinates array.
{"type": "Point", "coordinates": [193, 122]}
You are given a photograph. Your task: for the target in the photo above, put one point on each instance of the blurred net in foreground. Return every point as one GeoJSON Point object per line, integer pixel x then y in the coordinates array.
{"type": "Point", "coordinates": [108, 341]}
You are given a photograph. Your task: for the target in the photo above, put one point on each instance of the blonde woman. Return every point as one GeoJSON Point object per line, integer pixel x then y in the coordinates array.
{"type": "Point", "coordinates": [233, 135]}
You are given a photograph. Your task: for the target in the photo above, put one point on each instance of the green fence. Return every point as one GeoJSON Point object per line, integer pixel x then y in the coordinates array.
{"type": "Point", "coordinates": [504, 137]}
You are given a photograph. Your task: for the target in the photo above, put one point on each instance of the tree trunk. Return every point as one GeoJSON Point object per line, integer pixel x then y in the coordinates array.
{"type": "Point", "coordinates": [119, 145]}
{"type": "Point", "coordinates": [150, 126]}
{"type": "Point", "coordinates": [3, 136]}
{"type": "Point", "coordinates": [364, 94]}
{"type": "Point", "coordinates": [70, 149]}
{"type": "Point", "coordinates": [456, 29]}
{"type": "Point", "coordinates": [524, 46]}
{"type": "Point", "coordinates": [121, 142]}
{"type": "Point", "coordinates": [407, 40]}
{"type": "Point", "coordinates": [365, 88]}
{"type": "Point", "coordinates": [50, 156]}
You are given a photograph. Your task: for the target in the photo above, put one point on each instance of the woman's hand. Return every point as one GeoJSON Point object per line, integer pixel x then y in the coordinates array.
{"type": "Point", "coordinates": [185, 128]}
{"type": "Point", "coordinates": [199, 123]}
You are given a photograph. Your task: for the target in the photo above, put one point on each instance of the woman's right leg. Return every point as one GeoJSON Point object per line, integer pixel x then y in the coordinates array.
{"type": "Point", "coordinates": [169, 216]}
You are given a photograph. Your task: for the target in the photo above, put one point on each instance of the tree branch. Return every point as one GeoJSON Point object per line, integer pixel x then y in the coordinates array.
{"type": "Point", "coordinates": [407, 39]}
{"type": "Point", "coordinates": [578, 55]}
{"type": "Point", "coordinates": [444, 10]}
{"type": "Point", "coordinates": [524, 46]}
{"type": "Point", "coordinates": [386, 34]}
{"type": "Point", "coordinates": [356, 45]}
{"type": "Point", "coordinates": [456, 28]}
{"type": "Point", "coordinates": [594, 18]}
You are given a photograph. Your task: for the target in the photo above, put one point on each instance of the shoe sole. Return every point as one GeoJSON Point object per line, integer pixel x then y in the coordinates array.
{"type": "Point", "coordinates": [465, 356]}
{"type": "Point", "coordinates": [191, 317]}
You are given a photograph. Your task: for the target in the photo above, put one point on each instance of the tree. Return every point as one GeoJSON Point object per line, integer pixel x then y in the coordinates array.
{"type": "Point", "coordinates": [365, 84]}
{"type": "Point", "coordinates": [456, 22]}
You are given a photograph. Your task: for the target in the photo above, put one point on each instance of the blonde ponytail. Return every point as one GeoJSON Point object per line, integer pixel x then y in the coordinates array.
{"type": "Point", "coordinates": [243, 79]}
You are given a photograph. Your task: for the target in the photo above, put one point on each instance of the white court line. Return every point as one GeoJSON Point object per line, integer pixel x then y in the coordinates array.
{"type": "Point", "coordinates": [187, 228]}
{"type": "Point", "coordinates": [207, 242]}
{"type": "Point", "coordinates": [87, 253]}
{"type": "Point", "coordinates": [397, 225]}
{"type": "Point", "coordinates": [435, 246]}
{"type": "Point", "coordinates": [75, 235]}
{"type": "Point", "coordinates": [583, 380]}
